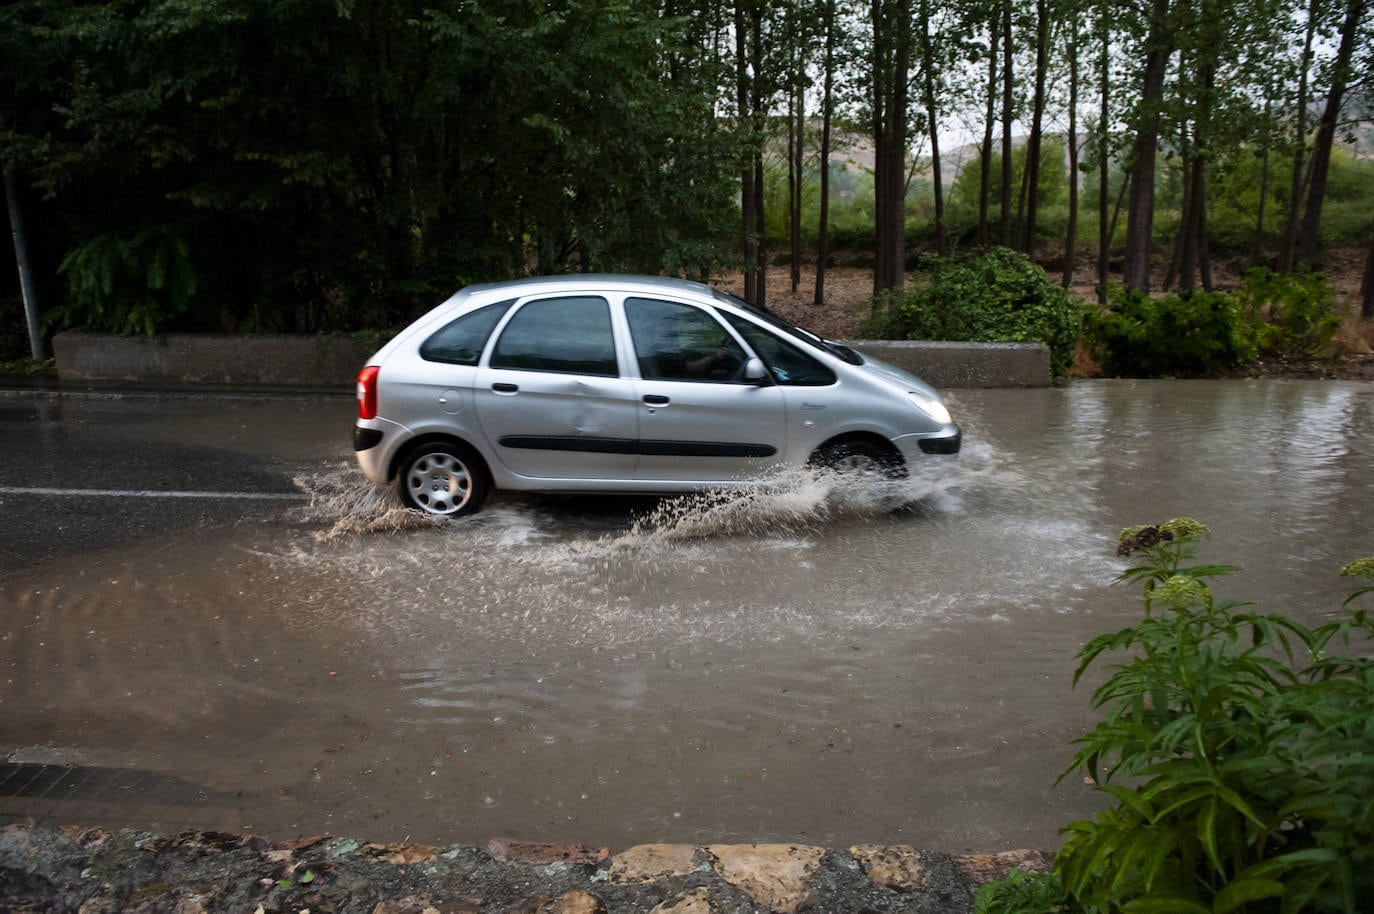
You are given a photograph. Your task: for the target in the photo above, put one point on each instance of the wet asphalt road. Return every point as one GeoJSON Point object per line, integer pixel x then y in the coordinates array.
{"type": "Point", "coordinates": [197, 630]}
{"type": "Point", "coordinates": [78, 474]}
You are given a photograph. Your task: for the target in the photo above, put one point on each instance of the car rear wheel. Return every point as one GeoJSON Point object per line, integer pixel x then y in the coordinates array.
{"type": "Point", "coordinates": [444, 478]}
{"type": "Point", "coordinates": [859, 459]}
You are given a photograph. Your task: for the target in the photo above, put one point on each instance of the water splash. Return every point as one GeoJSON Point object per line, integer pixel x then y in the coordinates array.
{"type": "Point", "coordinates": [352, 506]}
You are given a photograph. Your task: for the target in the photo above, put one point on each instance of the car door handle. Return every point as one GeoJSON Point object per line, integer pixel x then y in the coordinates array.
{"type": "Point", "coordinates": [504, 388]}
{"type": "Point", "coordinates": [656, 399]}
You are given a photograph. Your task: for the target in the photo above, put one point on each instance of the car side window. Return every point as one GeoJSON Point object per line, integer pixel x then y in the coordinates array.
{"type": "Point", "coordinates": [676, 342]}
{"type": "Point", "coordinates": [559, 334]}
{"type": "Point", "coordinates": [461, 341]}
{"type": "Point", "coordinates": [787, 364]}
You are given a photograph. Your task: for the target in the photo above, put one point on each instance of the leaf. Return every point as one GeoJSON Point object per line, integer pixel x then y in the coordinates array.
{"type": "Point", "coordinates": [1243, 891]}
{"type": "Point", "coordinates": [1153, 904]}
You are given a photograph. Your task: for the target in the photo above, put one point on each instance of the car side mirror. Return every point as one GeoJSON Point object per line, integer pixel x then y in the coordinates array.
{"type": "Point", "coordinates": [754, 370]}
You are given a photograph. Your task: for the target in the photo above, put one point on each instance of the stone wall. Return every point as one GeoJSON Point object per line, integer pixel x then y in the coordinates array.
{"type": "Point", "coordinates": [92, 870]}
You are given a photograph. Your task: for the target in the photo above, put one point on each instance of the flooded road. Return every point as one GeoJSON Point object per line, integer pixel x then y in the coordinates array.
{"type": "Point", "coordinates": [793, 663]}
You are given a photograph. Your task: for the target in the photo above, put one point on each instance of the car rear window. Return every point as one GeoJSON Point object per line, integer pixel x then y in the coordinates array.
{"type": "Point", "coordinates": [461, 340]}
{"type": "Point", "coordinates": [571, 335]}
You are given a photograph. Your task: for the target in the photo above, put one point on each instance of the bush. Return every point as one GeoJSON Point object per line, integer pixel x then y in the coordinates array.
{"type": "Point", "coordinates": [1205, 333]}
{"type": "Point", "coordinates": [1238, 749]}
{"type": "Point", "coordinates": [121, 284]}
{"type": "Point", "coordinates": [994, 295]}
{"type": "Point", "coordinates": [1137, 335]}
{"type": "Point", "coordinates": [1291, 316]}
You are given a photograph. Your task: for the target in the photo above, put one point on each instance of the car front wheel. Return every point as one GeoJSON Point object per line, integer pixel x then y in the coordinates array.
{"type": "Point", "coordinates": [859, 458]}
{"type": "Point", "coordinates": [444, 478]}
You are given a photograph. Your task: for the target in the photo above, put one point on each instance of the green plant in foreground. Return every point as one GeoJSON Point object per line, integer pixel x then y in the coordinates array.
{"type": "Point", "coordinates": [1020, 893]}
{"type": "Point", "coordinates": [1237, 748]}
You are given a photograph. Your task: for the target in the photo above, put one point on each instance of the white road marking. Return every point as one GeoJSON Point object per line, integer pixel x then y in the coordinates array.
{"type": "Point", "coordinates": [148, 493]}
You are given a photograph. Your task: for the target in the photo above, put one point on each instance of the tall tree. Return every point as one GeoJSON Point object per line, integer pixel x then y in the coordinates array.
{"type": "Point", "coordinates": [1036, 137]}
{"type": "Point", "coordinates": [989, 120]}
{"type": "Point", "coordinates": [1288, 246]}
{"type": "Point", "coordinates": [1104, 73]}
{"type": "Point", "coordinates": [930, 72]}
{"type": "Point", "coordinates": [890, 70]}
{"type": "Point", "coordinates": [829, 38]}
{"type": "Point", "coordinates": [1008, 117]}
{"type": "Point", "coordinates": [1148, 116]}
{"type": "Point", "coordinates": [1071, 230]}
{"type": "Point", "coordinates": [1310, 235]}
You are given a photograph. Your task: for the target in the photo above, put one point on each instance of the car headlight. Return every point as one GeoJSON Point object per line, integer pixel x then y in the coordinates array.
{"type": "Point", "coordinates": [931, 406]}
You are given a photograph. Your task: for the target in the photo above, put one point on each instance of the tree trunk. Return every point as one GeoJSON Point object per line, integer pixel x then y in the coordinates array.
{"type": "Point", "coordinates": [1257, 252]}
{"type": "Point", "coordinates": [760, 125]}
{"type": "Point", "coordinates": [1036, 140]}
{"type": "Point", "coordinates": [891, 71]}
{"type": "Point", "coordinates": [795, 165]}
{"type": "Point", "coordinates": [985, 151]}
{"type": "Point", "coordinates": [1008, 85]}
{"type": "Point", "coordinates": [1290, 226]}
{"type": "Point", "coordinates": [742, 87]}
{"type": "Point", "coordinates": [928, 65]}
{"type": "Point", "coordinates": [1326, 135]}
{"type": "Point", "coordinates": [1140, 209]}
{"type": "Point", "coordinates": [1367, 287]}
{"type": "Point", "coordinates": [1071, 233]}
{"type": "Point", "coordinates": [27, 290]}
{"type": "Point", "coordinates": [1104, 237]}
{"type": "Point", "coordinates": [827, 113]}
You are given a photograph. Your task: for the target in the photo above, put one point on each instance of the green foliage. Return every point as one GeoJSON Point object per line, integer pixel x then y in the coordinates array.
{"type": "Point", "coordinates": [334, 166]}
{"type": "Point", "coordinates": [1136, 335]}
{"type": "Point", "coordinates": [1052, 188]}
{"type": "Point", "coordinates": [132, 284]}
{"type": "Point", "coordinates": [1292, 316]}
{"type": "Point", "coordinates": [994, 295]}
{"type": "Point", "coordinates": [1206, 333]}
{"type": "Point", "coordinates": [1021, 893]}
{"type": "Point", "coordinates": [1237, 748]}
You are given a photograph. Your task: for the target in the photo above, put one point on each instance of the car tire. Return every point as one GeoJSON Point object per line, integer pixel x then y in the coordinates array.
{"type": "Point", "coordinates": [859, 458]}
{"type": "Point", "coordinates": [444, 478]}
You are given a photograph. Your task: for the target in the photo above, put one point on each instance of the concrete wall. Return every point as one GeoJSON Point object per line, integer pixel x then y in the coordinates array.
{"type": "Point", "coordinates": [944, 365]}
{"type": "Point", "coordinates": [334, 361]}
{"type": "Point", "coordinates": [210, 359]}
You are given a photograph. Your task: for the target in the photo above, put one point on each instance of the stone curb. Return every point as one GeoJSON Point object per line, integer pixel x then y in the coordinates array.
{"type": "Point", "coordinates": [95, 871]}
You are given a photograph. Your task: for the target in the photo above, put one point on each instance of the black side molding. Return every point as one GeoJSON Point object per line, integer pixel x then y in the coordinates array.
{"type": "Point", "coordinates": [630, 446]}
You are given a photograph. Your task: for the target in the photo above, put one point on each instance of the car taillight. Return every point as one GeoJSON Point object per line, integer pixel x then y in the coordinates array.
{"type": "Point", "coordinates": [367, 392]}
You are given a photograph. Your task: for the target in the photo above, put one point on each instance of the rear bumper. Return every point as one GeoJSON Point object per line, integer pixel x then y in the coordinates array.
{"type": "Point", "coordinates": [366, 438]}
{"type": "Point", "coordinates": [374, 444]}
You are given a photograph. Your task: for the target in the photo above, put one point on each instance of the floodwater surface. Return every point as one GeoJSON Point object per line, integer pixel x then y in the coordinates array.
{"type": "Point", "coordinates": [797, 662]}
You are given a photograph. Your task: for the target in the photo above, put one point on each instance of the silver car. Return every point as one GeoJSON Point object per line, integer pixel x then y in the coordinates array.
{"type": "Point", "coordinates": [625, 384]}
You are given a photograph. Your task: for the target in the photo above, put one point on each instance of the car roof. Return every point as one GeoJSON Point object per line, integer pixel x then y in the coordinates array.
{"type": "Point", "coordinates": [586, 282]}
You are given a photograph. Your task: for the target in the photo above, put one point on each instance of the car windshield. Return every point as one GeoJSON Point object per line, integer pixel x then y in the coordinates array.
{"type": "Point", "coordinates": [791, 329]}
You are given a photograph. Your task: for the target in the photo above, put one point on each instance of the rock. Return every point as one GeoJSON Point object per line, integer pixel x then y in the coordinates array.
{"type": "Point", "coordinates": [534, 853]}
{"type": "Point", "coordinates": [697, 901]}
{"type": "Point", "coordinates": [895, 866]}
{"type": "Point", "coordinates": [776, 876]}
{"type": "Point", "coordinates": [575, 902]}
{"type": "Point", "coordinates": [978, 869]}
{"type": "Point", "coordinates": [400, 853]}
{"type": "Point", "coordinates": [652, 862]}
